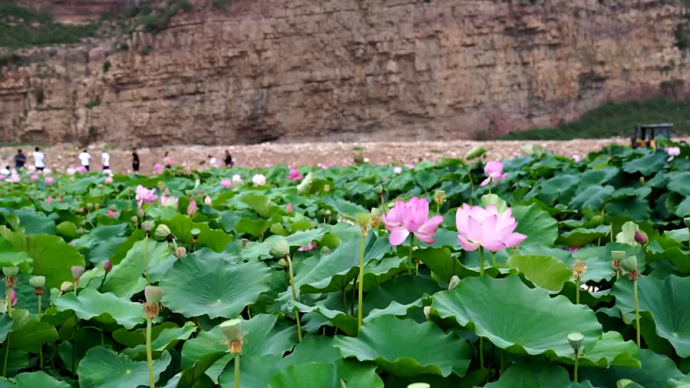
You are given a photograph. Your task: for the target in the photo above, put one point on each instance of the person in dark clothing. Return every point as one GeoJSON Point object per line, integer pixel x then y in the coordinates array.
{"type": "Point", "coordinates": [167, 160]}
{"type": "Point", "coordinates": [135, 161]}
{"type": "Point", "coordinates": [228, 159]}
{"type": "Point", "coordinates": [19, 160]}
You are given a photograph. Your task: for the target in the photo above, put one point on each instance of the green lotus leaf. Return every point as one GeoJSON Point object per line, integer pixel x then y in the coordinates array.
{"type": "Point", "coordinates": [646, 165]}
{"type": "Point", "coordinates": [343, 207]}
{"type": "Point", "coordinates": [559, 188]}
{"type": "Point", "coordinates": [164, 339]}
{"type": "Point", "coordinates": [546, 272]}
{"type": "Point", "coordinates": [35, 223]}
{"type": "Point", "coordinates": [610, 350]}
{"type": "Point", "coordinates": [379, 272]}
{"type": "Point", "coordinates": [27, 298]}
{"type": "Point", "coordinates": [106, 308]}
{"type": "Point", "coordinates": [635, 208]}
{"type": "Point", "coordinates": [38, 379]}
{"type": "Point", "coordinates": [129, 276]}
{"type": "Point", "coordinates": [53, 258]}
{"type": "Point", "coordinates": [28, 334]}
{"type": "Point", "coordinates": [597, 177]}
{"type": "Point", "coordinates": [16, 361]}
{"type": "Point", "coordinates": [516, 318]}
{"type": "Point", "coordinates": [163, 212]}
{"type": "Point", "coordinates": [394, 345]}
{"type": "Point", "coordinates": [103, 368]}
{"type": "Point", "coordinates": [323, 375]}
{"type": "Point", "coordinates": [99, 235]}
{"type": "Point", "coordinates": [67, 229]}
{"type": "Point", "coordinates": [533, 375]}
{"type": "Point", "coordinates": [181, 227]}
{"type": "Point", "coordinates": [580, 237]}
{"type": "Point", "coordinates": [627, 234]}
{"type": "Point", "coordinates": [680, 183]}
{"type": "Point", "coordinates": [298, 239]}
{"type": "Point", "coordinates": [592, 196]}
{"type": "Point", "coordinates": [493, 199]}
{"type": "Point", "coordinates": [656, 371]}
{"type": "Point", "coordinates": [13, 257]}
{"type": "Point", "coordinates": [253, 227]}
{"type": "Point", "coordinates": [536, 224]}
{"type": "Point", "coordinates": [599, 259]}
{"type": "Point", "coordinates": [259, 203]}
{"type": "Point", "coordinates": [683, 208]}
{"type": "Point", "coordinates": [82, 340]}
{"type": "Point", "coordinates": [661, 298]}
{"type": "Point", "coordinates": [210, 285]}
{"type": "Point", "coordinates": [6, 324]}
{"type": "Point", "coordinates": [196, 374]}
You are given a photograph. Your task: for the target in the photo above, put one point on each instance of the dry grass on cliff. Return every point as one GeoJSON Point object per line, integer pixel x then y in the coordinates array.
{"type": "Point", "coordinates": [190, 157]}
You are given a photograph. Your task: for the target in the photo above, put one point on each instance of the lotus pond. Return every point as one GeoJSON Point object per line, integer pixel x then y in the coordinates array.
{"type": "Point", "coordinates": [541, 271]}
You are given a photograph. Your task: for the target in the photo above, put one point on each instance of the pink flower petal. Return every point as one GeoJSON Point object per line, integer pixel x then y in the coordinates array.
{"type": "Point", "coordinates": [485, 182]}
{"type": "Point", "coordinates": [398, 236]}
{"type": "Point", "coordinates": [466, 244]}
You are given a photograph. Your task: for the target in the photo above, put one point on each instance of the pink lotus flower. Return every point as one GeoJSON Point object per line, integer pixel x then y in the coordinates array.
{"type": "Point", "coordinates": [50, 200]}
{"type": "Point", "coordinates": [411, 217]}
{"type": "Point", "coordinates": [237, 178]}
{"type": "Point", "coordinates": [289, 208]}
{"type": "Point", "coordinates": [191, 209]}
{"type": "Point", "coordinates": [14, 297]}
{"type": "Point", "coordinates": [81, 169]}
{"type": "Point", "coordinates": [227, 183]}
{"type": "Point", "coordinates": [268, 165]}
{"type": "Point", "coordinates": [33, 177]}
{"type": "Point", "coordinates": [109, 180]}
{"type": "Point", "coordinates": [494, 171]}
{"type": "Point", "coordinates": [47, 171]}
{"type": "Point", "coordinates": [71, 171]}
{"type": "Point", "coordinates": [111, 214]}
{"type": "Point", "coordinates": [673, 151]}
{"type": "Point", "coordinates": [397, 170]}
{"type": "Point", "coordinates": [576, 158]}
{"type": "Point", "coordinates": [168, 201]}
{"type": "Point", "coordinates": [485, 227]}
{"type": "Point", "coordinates": [309, 247]}
{"type": "Point", "coordinates": [14, 178]}
{"type": "Point", "coordinates": [295, 175]}
{"type": "Point", "coordinates": [2, 177]}
{"type": "Point", "coordinates": [157, 168]}
{"type": "Point", "coordinates": [145, 195]}
{"type": "Point", "coordinates": [208, 201]}
{"type": "Point", "coordinates": [108, 266]}
{"type": "Point", "coordinates": [49, 181]}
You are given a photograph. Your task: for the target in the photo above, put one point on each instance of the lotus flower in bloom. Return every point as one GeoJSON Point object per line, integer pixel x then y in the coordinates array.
{"type": "Point", "coordinates": [31, 168]}
{"type": "Point", "coordinates": [14, 178]}
{"type": "Point", "coordinates": [2, 177]}
{"type": "Point", "coordinates": [168, 201]}
{"type": "Point", "coordinates": [309, 247]}
{"type": "Point", "coordinates": [227, 183]}
{"type": "Point", "coordinates": [145, 195]}
{"type": "Point", "coordinates": [411, 217]}
{"type": "Point", "coordinates": [494, 171]}
{"type": "Point", "coordinates": [109, 180]}
{"type": "Point", "coordinates": [47, 171]}
{"type": "Point", "coordinates": [576, 158]}
{"type": "Point", "coordinates": [208, 201]}
{"type": "Point", "coordinates": [111, 214]}
{"type": "Point", "coordinates": [487, 228]}
{"type": "Point", "coordinates": [294, 175]}
{"type": "Point", "coordinates": [81, 169]}
{"type": "Point", "coordinates": [157, 168]}
{"type": "Point", "coordinates": [237, 178]}
{"type": "Point", "coordinates": [289, 208]}
{"type": "Point", "coordinates": [50, 200]}
{"type": "Point", "coordinates": [397, 170]}
{"type": "Point", "coordinates": [49, 181]}
{"type": "Point", "coordinates": [34, 177]}
{"type": "Point", "coordinates": [14, 297]}
{"type": "Point", "coordinates": [259, 180]}
{"type": "Point", "coordinates": [673, 151]}
{"type": "Point", "coordinates": [191, 209]}
{"type": "Point", "coordinates": [71, 171]}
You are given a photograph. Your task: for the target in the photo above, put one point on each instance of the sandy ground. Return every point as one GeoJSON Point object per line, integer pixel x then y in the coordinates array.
{"type": "Point", "coordinates": [190, 157]}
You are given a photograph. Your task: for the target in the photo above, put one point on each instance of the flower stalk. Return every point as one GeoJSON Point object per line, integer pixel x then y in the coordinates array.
{"type": "Point", "coordinates": [294, 295]}
{"type": "Point", "coordinates": [361, 278]}
{"type": "Point", "coordinates": [232, 330]}
{"type": "Point", "coordinates": [575, 341]}
{"type": "Point", "coordinates": [152, 309]}
{"type": "Point", "coordinates": [10, 283]}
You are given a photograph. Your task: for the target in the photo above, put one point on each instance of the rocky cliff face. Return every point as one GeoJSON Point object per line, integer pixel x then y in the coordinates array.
{"type": "Point", "coordinates": [282, 70]}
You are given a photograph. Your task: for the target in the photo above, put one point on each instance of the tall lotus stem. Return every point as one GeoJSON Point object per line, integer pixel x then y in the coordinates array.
{"type": "Point", "coordinates": [575, 341]}
{"type": "Point", "coordinates": [411, 248]}
{"type": "Point", "coordinates": [469, 175]}
{"type": "Point", "coordinates": [637, 311]}
{"type": "Point", "coordinates": [38, 282]}
{"type": "Point", "coordinates": [361, 279]}
{"type": "Point", "coordinates": [10, 283]}
{"type": "Point", "coordinates": [481, 261]}
{"type": "Point", "coordinates": [630, 264]}
{"type": "Point", "coordinates": [294, 295]}
{"type": "Point", "coordinates": [493, 258]}
{"type": "Point", "coordinates": [152, 309]}
{"type": "Point", "coordinates": [579, 268]}
{"type": "Point", "coordinates": [146, 262]}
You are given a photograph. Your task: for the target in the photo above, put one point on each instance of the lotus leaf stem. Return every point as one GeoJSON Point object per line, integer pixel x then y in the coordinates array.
{"type": "Point", "coordinates": [352, 305]}
{"type": "Point", "coordinates": [249, 311]}
{"type": "Point", "coordinates": [481, 353]}
{"type": "Point", "coordinates": [294, 296]}
{"type": "Point", "coordinates": [149, 355]}
{"type": "Point", "coordinates": [637, 311]}
{"type": "Point", "coordinates": [577, 362]}
{"type": "Point", "coordinates": [577, 291]}
{"type": "Point", "coordinates": [237, 371]}
{"type": "Point", "coordinates": [410, 261]}
{"type": "Point", "coordinates": [146, 262]}
{"type": "Point", "coordinates": [8, 299]}
{"type": "Point", "coordinates": [481, 261]}
{"type": "Point", "coordinates": [7, 353]}
{"type": "Point", "coordinates": [40, 350]}
{"type": "Point", "coordinates": [469, 175]}
{"type": "Point", "coordinates": [493, 258]}
{"type": "Point", "coordinates": [361, 280]}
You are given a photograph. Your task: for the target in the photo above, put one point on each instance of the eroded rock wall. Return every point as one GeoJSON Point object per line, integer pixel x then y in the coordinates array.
{"type": "Point", "coordinates": [282, 70]}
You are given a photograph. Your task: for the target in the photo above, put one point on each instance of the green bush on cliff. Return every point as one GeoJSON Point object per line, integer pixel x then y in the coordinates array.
{"type": "Point", "coordinates": [23, 27]}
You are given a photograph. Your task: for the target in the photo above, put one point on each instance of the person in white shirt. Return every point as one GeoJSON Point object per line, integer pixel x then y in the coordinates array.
{"type": "Point", "coordinates": [5, 171]}
{"type": "Point", "coordinates": [84, 158]}
{"type": "Point", "coordinates": [39, 159]}
{"type": "Point", "coordinates": [105, 160]}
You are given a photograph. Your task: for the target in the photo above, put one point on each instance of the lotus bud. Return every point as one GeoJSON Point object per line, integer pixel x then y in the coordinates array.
{"type": "Point", "coordinates": [575, 341]}
{"type": "Point", "coordinates": [10, 271]}
{"type": "Point", "coordinates": [153, 294]}
{"type": "Point", "coordinates": [642, 180]}
{"type": "Point", "coordinates": [141, 213]}
{"type": "Point", "coordinates": [622, 383]}
{"type": "Point", "coordinates": [108, 266]}
{"type": "Point", "coordinates": [37, 281]}
{"type": "Point", "coordinates": [641, 238]}
{"type": "Point", "coordinates": [439, 197]}
{"type": "Point", "coordinates": [454, 281]}
{"type": "Point", "coordinates": [378, 189]}
{"type": "Point", "coordinates": [686, 221]}
{"type": "Point", "coordinates": [475, 153]}
{"type": "Point", "coordinates": [232, 330]}
{"type": "Point", "coordinates": [629, 263]}
{"type": "Point", "coordinates": [282, 264]}
{"type": "Point", "coordinates": [363, 220]}
{"type": "Point", "coordinates": [280, 249]}
{"type": "Point", "coordinates": [375, 217]}
{"type": "Point", "coordinates": [618, 255]}
{"type": "Point", "coordinates": [191, 209]}
{"type": "Point", "coordinates": [112, 207]}
{"type": "Point", "coordinates": [65, 286]}
{"type": "Point", "coordinates": [79, 231]}
{"type": "Point", "coordinates": [419, 385]}
{"type": "Point", "coordinates": [89, 206]}
{"type": "Point", "coordinates": [97, 206]}
{"type": "Point", "coordinates": [77, 271]}
{"type": "Point", "coordinates": [289, 208]}
{"type": "Point", "coordinates": [162, 233]}
{"type": "Point", "coordinates": [325, 250]}
{"type": "Point", "coordinates": [244, 243]}
{"type": "Point", "coordinates": [195, 234]}
{"type": "Point", "coordinates": [327, 188]}
{"type": "Point", "coordinates": [427, 312]}
{"type": "Point", "coordinates": [135, 221]}
{"type": "Point", "coordinates": [180, 252]}
{"type": "Point", "coordinates": [327, 213]}
{"type": "Point", "coordinates": [147, 226]}
{"type": "Point", "coordinates": [579, 268]}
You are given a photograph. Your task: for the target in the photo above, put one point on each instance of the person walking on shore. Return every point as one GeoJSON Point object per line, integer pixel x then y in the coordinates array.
{"type": "Point", "coordinates": [135, 161]}
{"type": "Point", "coordinates": [85, 159]}
{"type": "Point", "coordinates": [19, 160]}
{"type": "Point", "coordinates": [105, 160]}
{"type": "Point", "coordinates": [228, 159]}
{"type": "Point", "coordinates": [167, 160]}
{"type": "Point", "coordinates": [39, 159]}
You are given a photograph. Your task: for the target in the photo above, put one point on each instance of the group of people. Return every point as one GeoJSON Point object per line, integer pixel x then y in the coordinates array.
{"type": "Point", "coordinates": [39, 157]}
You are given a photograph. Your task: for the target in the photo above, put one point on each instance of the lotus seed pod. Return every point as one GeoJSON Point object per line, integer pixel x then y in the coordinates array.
{"type": "Point", "coordinates": [327, 213]}
{"type": "Point", "coordinates": [135, 220]}
{"type": "Point", "coordinates": [89, 206]}
{"type": "Point", "coordinates": [77, 271]}
{"type": "Point", "coordinates": [280, 249]}
{"type": "Point", "coordinates": [378, 189]}
{"type": "Point", "coordinates": [65, 286]}
{"type": "Point", "coordinates": [153, 294]}
{"type": "Point", "coordinates": [162, 233]}
{"type": "Point", "coordinates": [642, 180]}
{"type": "Point", "coordinates": [98, 206]}
{"type": "Point", "coordinates": [363, 220]}
{"type": "Point", "coordinates": [427, 312]}
{"type": "Point", "coordinates": [629, 263]}
{"type": "Point", "coordinates": [618, 255]}
{"type": "Point", "coordinates": [375, 217]}
{"type": "Point", "coordinates": [440, 197]}
{"type": "Point", "coordinates": [10, 271]}
{"type": "Point", "coordinates": [419, 385]}
{"type": "Point", "coordinates": [232, 329]}
{"type": "Point", "coordinates": [244, 243]}
{"type": "Point", "coordinates": [475, 153]}
{"type": "Point", "coordinates": [325, 250]}
{"type": "Point", "coordinates": [147, 226]}
{"type": "Point", "coordinates": [454, 281]}
{"type": "Point", "coordinates": [622, 383]}
{"type": "Point", "coordinates": [37, 281]}
{"type": "Point", "coordinates": [686, 221]}
{"type": "Point", "coordinates": [195, 233]}
{"type": "Point", "coordinates": [108, 266]}
{"type": "Point", "coordinates": [641, 238]}
{"type": "Point", "coordinates": [579, 268]}
{"type": "Point", "coordinates": [282, 264]}
{"type": "Point", "coordinates": [575, 341]}
{"type": "Point", "coordinates": [79, 231]}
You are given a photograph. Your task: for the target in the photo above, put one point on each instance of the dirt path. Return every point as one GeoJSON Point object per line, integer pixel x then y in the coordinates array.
{"type": "Point", "coordinates": [190, 157]}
